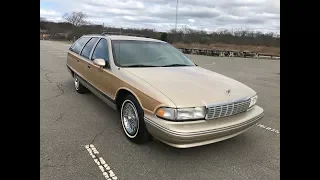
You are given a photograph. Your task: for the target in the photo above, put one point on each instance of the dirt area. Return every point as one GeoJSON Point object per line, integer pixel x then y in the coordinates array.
{"type": "Point", "coordinates": [232, 47]}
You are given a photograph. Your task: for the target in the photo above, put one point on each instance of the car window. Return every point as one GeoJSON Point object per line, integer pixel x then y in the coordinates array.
{"type": "Point", "coordinates": [77, 46]}
{"type": "Point", "coordinates": [101, 50]}
{"type": "Point", "coordinates": [129, 52]}
{"type": "Point", "coordinates": [88, 47]}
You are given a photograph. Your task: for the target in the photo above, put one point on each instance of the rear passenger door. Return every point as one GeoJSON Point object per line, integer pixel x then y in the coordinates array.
{"type": "Point", "coordinates": [99, 77]}
{"type": "Point", "coordinates": [85, 54]}
{"type": "Point", "coordinates": [74, 60]}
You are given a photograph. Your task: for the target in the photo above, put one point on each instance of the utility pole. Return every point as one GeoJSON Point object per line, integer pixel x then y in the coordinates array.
{"type": "Point", "coordinates": [176, 16]}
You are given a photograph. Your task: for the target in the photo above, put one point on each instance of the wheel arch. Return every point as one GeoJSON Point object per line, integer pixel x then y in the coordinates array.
{"type": "Point", "coordinates": [121, 93]}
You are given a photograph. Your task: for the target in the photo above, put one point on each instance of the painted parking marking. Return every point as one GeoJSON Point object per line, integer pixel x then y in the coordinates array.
{"type": "Point", "coordinates": [101, 163]}
{"type": "Point", "coordinates": [213, 63]}
{"type": "Point", "coordinates": [268, 128]}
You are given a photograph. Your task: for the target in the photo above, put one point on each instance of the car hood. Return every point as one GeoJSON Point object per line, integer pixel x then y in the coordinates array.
{"type": "Point", "coordinates": [192, 86]}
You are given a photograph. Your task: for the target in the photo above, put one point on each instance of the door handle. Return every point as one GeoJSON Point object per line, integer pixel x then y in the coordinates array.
{"type": "Point", "coordinates": [89, 66]}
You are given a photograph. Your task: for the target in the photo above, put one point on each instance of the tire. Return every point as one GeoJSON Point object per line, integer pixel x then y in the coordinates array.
{"type": "Point", "coordinates": [78, 86]}
{"type": "Point", "coordinates": [139, 133]}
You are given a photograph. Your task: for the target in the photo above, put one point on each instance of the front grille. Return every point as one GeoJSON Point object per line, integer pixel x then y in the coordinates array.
{"type": "Point", "coordinates": [223, 110]}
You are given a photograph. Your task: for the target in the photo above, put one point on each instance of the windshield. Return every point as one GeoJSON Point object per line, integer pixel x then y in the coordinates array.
{"type": "Point", "coordinates": [129, 53]}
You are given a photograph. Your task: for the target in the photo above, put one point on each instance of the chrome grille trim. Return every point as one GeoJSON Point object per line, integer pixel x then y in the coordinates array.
{"type": "Point", "coordinates": [225, 109]}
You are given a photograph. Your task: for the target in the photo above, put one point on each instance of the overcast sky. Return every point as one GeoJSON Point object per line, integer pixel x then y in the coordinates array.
{"type": "Point", "coordinates": [208, 15]}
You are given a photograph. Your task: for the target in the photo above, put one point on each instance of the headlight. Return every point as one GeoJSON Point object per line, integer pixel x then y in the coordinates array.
{"type": "Point", "coordinates": [181, 113]}
{"type": "Point", "coordinates": [253, 101]}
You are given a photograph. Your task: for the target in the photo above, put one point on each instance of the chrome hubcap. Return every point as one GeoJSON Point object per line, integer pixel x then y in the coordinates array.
{"type": "Point", "coordinates": [76, 83]}
{"type": "Point", "coordinates": [130, 118]}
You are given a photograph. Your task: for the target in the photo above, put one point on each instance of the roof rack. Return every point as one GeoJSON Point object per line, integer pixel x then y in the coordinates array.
{"type": "Point", "coordinates": [122, 34]}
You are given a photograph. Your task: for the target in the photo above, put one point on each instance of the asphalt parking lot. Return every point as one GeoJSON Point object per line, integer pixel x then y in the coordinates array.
{"type": "Point", "coordinates": [70, 121]}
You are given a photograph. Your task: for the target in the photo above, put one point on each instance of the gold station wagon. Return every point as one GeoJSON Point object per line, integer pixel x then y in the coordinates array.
{"type": "Point", "coordinates": [161, 93]}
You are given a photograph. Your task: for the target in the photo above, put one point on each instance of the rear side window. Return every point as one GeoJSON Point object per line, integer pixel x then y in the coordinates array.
{"type": "Point", "coordinates": [77, 46]}
{"type": "Point", "coordinates": [88, 47]}
{"type": "Point", "coordinates": [101, 50]}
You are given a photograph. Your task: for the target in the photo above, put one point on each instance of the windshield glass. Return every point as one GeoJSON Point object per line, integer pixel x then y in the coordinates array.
{"type": "Point", "coordinates": [129, 53]}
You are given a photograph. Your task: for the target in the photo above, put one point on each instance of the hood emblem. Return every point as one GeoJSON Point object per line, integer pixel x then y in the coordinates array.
{"type": "Point", "coordinates": [228, 92]}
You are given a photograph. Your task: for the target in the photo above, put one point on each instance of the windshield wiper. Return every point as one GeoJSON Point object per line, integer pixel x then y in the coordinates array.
{"type": "Point", "coordinates": [174, 65]}
{"type": "Point", "coordinates": [140, 65]}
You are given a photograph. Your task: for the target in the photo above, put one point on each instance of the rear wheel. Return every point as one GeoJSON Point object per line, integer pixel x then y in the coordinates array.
{"type": "Point", "coordinates": [78, 86]}
{"type": "Point", "coordinates": [132, 118]}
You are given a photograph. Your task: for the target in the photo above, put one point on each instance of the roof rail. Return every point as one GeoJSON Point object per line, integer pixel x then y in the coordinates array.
{"type": "Point", "coordinates": [122, 34]}
{"type": "Point", "coordinates": [92, 34]}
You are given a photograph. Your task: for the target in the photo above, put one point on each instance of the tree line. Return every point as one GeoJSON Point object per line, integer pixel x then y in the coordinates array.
{"type": "Point", "coordinates": [75, 25]}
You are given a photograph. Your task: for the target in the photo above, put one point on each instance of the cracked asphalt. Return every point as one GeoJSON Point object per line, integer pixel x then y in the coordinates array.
{"type": "Point", "coordinates": [69, 121]}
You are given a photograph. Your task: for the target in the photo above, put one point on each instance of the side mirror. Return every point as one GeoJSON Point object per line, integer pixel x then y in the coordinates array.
{"type": "Point", "coordinates": [99, 62]}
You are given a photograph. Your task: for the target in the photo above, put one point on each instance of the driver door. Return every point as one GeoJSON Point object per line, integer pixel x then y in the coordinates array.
{"type": "Point", "coordinates": [99, 77]}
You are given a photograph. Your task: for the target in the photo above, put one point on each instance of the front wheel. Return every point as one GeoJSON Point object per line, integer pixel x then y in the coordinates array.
{"type": "Point", "coordinates": [132, 118]}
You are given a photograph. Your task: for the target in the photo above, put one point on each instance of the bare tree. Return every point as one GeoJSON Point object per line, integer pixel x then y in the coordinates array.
{"type": "Point", "coordinates": [241, 37]}
{"type": "Point", "coordinates": [76, 18]}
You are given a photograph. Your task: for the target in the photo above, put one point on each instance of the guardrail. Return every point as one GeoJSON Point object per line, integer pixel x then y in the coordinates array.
{"type": "Point", "coordinates": [221, 53]}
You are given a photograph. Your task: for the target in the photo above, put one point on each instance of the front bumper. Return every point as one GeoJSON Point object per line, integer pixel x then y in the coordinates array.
{"type": "Point", "coordinates": [202, 132]}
